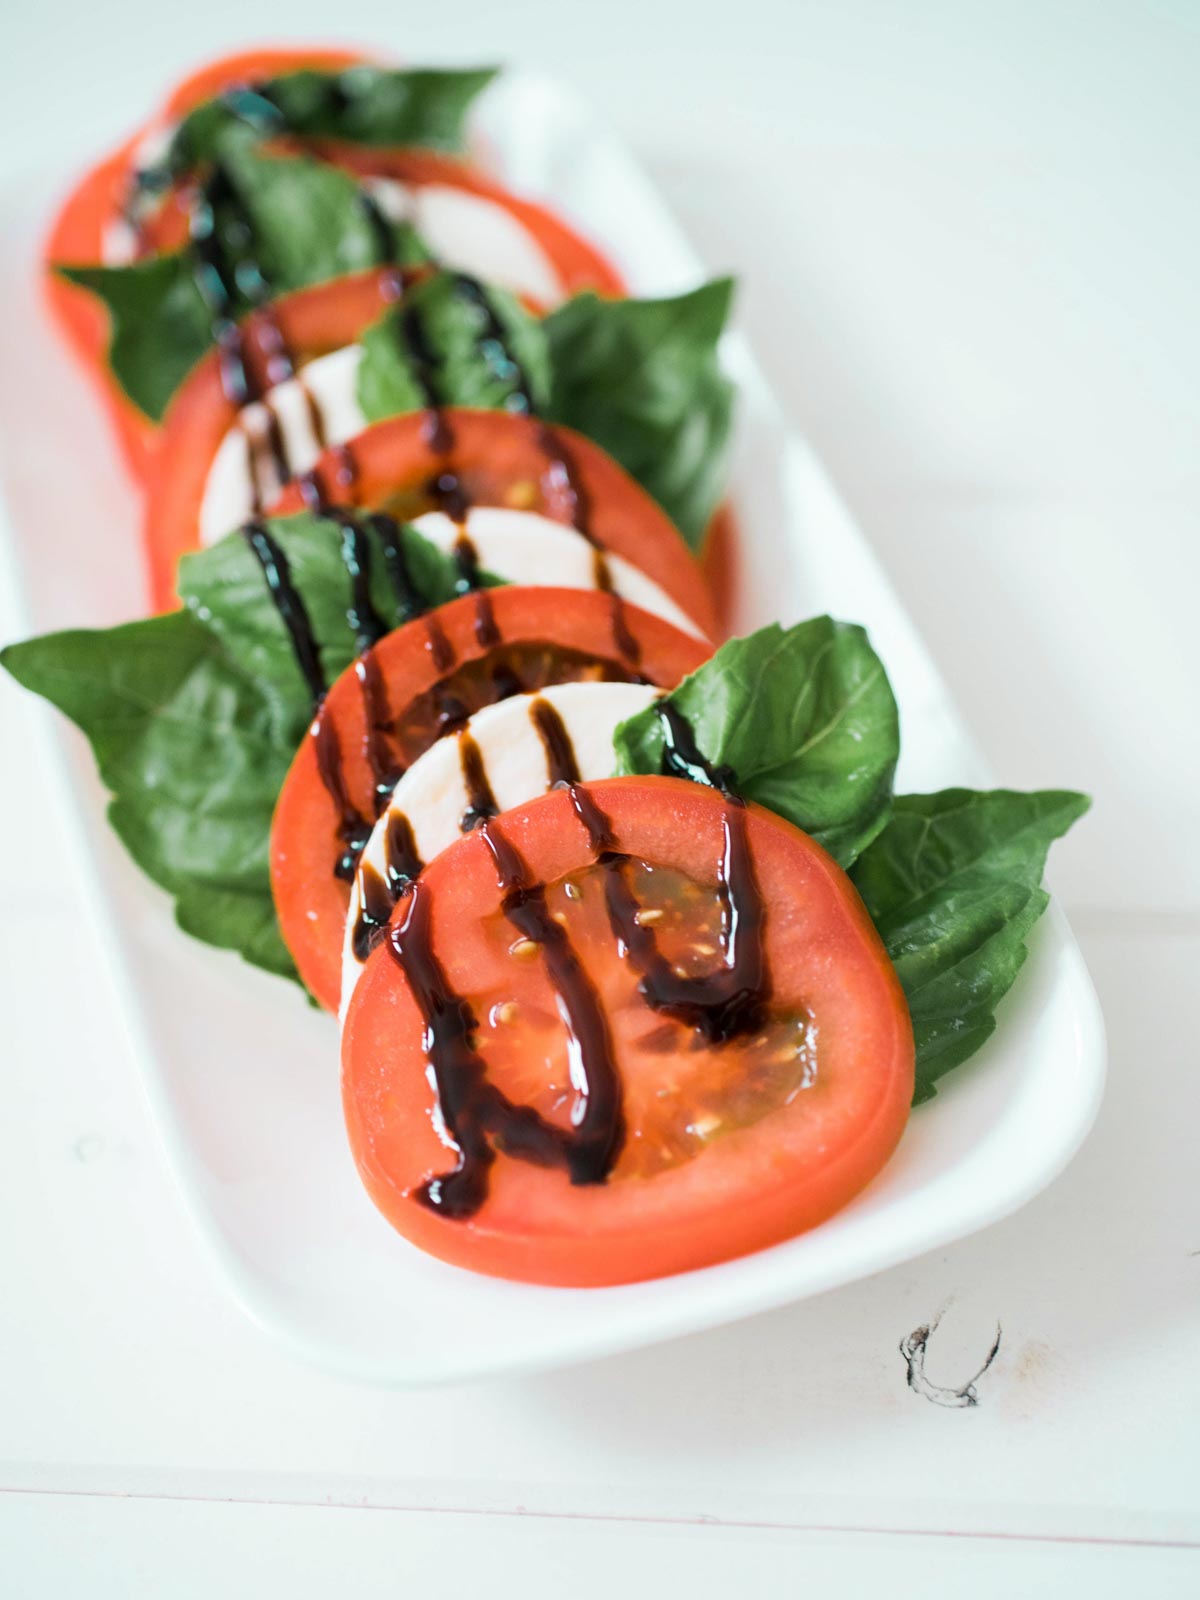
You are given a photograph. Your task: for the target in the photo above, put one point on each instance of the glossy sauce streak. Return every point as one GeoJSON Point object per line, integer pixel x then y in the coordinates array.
{"type": "Point", "coordinates": [410, 602]}
{"type": "Point", "coordinates": [291, 608]}
{"type": "Point", "coordinates": [563, 473]}
{"type": "Point", "coordinates": [222, 281]}
{"type": "Point", "coordinates": [466, 559]}
{"type": "Point", "coordinates": [487, 633]}
{"type": "Point", "coordinates": [438, 645]}
{"type": "Point", "coordinates": [386, 771]}
{"type": "Point", "coordinates": [561, 765]}
{"type": "Point", "coordinates": [367, 626]}
{"type": "Point", "coordinates": [493, 344]}
{"type": "Point", "coordinates": [475, 1113]}
{"type": "Point", "coordinates": [353, 829]}
{"type": "Point", "coordinates": [375, 906]}
{"type": "Point", "coordinates": [623, 637]}
{"type": "Point", "coordinates": [732, 1000]}
{"type": "Point", "coordinates": [481, 802]}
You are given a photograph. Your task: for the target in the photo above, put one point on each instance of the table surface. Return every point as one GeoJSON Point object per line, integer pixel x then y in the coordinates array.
{"type": "Point", "coordinates": [968, 247]}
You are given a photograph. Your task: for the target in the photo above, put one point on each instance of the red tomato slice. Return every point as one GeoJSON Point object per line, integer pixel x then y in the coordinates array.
{"type": "Point", "coordinates": [80, 227]}
{"type": "Point", "coordinates": [312, 322]}
{"type": "Point", "coordinates": [77, 234]}
{"type": "Point", "coordinates": [492, 1021]}
{"type": "Point", "coordinates": [416, 684]}
{"type": "Point", "coordinates": [495, 458]}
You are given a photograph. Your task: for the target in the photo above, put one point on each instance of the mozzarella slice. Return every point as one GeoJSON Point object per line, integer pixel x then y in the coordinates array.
{"type": "Point", "coordinates": [470, 233]}
{"type": "Point", "coordinates": [527, 548]}
{"type": "Point", "coordinates": [318, 407]}
{"type": "Point", "coordinates": [433, 793]}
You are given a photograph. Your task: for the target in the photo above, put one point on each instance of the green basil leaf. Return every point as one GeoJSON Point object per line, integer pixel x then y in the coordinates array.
{"type": "Point", "coordinates": [805, 718]}
{"type": "Point", "coordinates": [641, 378]}
{"type": "Point", "coordinates": [194, 717]}
{"type": "Point", "coordinates": [159, 324]}
{"type": "Point", "coordinates": [953, 883]}
{"type": "Point", "coordinates": [290, 222]}
{"type": "Point", "coordinates": [485, 351]}
{"type": "Point", "coordinates": [225, 587]}
{"type": "Point", "coordinates": [362, 104]}
{"type": "Point", "coordinates": [192, 753]}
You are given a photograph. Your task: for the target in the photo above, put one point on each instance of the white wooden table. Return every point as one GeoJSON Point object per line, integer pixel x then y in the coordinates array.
{"type": "Point", "coordinates": [970, 247]}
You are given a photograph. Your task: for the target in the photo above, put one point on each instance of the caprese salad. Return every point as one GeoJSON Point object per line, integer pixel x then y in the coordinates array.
{"type": "Point", "coordinates": [639, 961]}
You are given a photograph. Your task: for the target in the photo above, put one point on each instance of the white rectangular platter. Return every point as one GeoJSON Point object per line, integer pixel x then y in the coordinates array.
{"type": "Point", "coordinates": [242, 1078]}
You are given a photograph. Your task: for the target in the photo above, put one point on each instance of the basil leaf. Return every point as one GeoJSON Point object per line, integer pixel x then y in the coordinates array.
{"type": "Point", "coordinates": [953, 885]}
{"type": "Point", "coordinates": [483, 350]}
{"type": "Point", "coordinates": [361, 104]}
{"type": "Point", "coordinates": [289, 222]}
{"type": "Point", "coordinates": [641, 378]}
{"type": "Point", "coordinates": [194, 717]}
{"type": "Point", "coordinates": [192, 753]}
{"type": "Point", "coordinates": [805, 718]}
{"type": "Point", "coordinates": [159, 324]}
{"type": "Point", "coordinates": [225, 587]}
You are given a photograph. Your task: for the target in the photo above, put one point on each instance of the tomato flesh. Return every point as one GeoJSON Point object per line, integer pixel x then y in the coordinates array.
{"type": "Point", "coordinates": [544, 636]}
{"type": "Point", "coordinates": [727, 1147]}
{"type": "Point", "coordinates": [496, 458]}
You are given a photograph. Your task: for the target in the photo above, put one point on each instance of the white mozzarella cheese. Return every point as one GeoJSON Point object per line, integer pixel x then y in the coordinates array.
{"type": "Point", "coordinates": [470, 233]}
{"type": "Point", "coordinates": [244, 459]}
{"type": "Point", "coordinates": [527, 548]}
{"type": "Point", "coordinates": [433, 794]}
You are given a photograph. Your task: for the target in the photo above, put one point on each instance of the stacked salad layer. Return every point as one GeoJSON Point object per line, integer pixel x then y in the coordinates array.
{"type": "Point", "coordinates": [640, 962]}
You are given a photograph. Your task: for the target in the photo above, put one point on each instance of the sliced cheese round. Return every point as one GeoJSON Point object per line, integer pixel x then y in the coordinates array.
{"type": "Point", "coordinates": [316, 408]}
{"type": "Point", "coordinates": [525, 547]}
{"type": "Point", "coordinates": [469, 233]}
{"type": "Point", "coordinates": [436, 795]}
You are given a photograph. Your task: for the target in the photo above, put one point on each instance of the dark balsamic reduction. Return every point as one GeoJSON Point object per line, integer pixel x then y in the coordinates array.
{"type": "Point", "coordinates": [353, 829]}
{"type": "Point", "coordinates": [290, 606]}
{"type": "Point", "coordinates": [487, 633]}
{"type": "Point", "coordinates": [386, 770]}
{"type": "Point", "coordinates": [367, 626]}
{"type": "Point", "coordinates": [493, 344]}
{"type": "Point", "coordinates": [403, 862]}
{"type": "Point", "coordinates": [682, 756]}
{"type": "Point", "coordinates": [438, 644]}
{"type": "Point", "coordinates": [561, 765]}
{"type": "Point", "coordinates": [378, 897]}
{"type": "Point", "coordinates": [564, 474]}
{"type": "Point", "coordinates": [375, 906]}
{"type": "Point", "coordinates": [627, 645]}
{"type": "Point", "coordinates": [481, 802]}
{"type": "Point", "coordinates": [731, 1000]}
{"type": "Point", "coordinates": [479, 1117]}
{"type": "Point", "coordinates": [409, 601]}
{"type": "Point", "coordinates": [466, 559]}
{"type": "Point", "coordinates": [725, 1003]}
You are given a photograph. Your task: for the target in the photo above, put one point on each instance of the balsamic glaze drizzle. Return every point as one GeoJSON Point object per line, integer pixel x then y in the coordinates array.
{"type": "Point", "coordinates": [377, 898]}
{"type": "Point", "coordinates": [466, 559]}
{"type": "Point", "coordinates": [487, 633]}
{"type": "Point", "coordinates": [561, 765]}
{"type": "Point", "coordinates": [481, 802]}
{"type": "Point", "coordinates": [290, 606]}
{"type": "Point", "coordinates": [478, 1116]}
{"type": "Point", "coordinates": [563, 473]}
{"type": "Point", "coordinates": [493, 343]}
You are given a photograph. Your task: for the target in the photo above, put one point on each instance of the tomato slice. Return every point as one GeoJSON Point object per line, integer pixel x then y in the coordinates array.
{"type": "Point", "coordinates": [310, 323]}
{"type": "Point", "coordinates": [419, 682]}
{"type": "Point", "coordinates": [79, 230]}
{"type": "Point", "coordinates": [516, 1106]}
{"type": "Point", "coordinates": [423, 460]}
